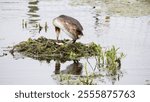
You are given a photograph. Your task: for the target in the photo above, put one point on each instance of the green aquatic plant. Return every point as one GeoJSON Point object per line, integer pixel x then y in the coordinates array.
{"type": "Point", "coordinates": [65, 78]}
{"type": "Point", "coordinates": [113, 59]}
{"type": "Point", "coordinates": [107, 59]}
{"type": "Point", "coordinates": [87, 80]}
{"type": "Point", "coordinates": [48, 49]}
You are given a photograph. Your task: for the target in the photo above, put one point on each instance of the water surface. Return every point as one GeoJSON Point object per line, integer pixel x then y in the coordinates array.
{"type": "Point", "coordinates": [130, 34]}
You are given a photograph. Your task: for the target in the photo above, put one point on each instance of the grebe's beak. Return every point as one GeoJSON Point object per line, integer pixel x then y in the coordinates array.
{"type": "Point", "coordinates": [79, 36]}
{"type": "Point", "coordinates": [57, 30]}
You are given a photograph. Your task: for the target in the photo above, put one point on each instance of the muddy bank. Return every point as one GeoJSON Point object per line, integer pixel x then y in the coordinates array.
{"type": "Point", "coordinates": [131, 8]}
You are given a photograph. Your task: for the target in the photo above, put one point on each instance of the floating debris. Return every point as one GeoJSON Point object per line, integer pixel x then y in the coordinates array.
{"type": "Point", "coordinates": [40, 28]}
{"type": "Point", "coordinates": [4, 54]}
{"type": "Point", "coordinates": [46, 27]}
{"type": "Point", "coordinates": [107, 17]}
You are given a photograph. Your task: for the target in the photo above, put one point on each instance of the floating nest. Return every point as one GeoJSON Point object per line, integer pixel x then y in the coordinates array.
{"type": "Point", "coordinates": [48, 49]}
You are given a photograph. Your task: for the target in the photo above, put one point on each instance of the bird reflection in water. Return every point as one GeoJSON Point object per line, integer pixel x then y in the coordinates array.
{"type": "Point", "coordinates": [75, 68]}
{"type": "Point", "coordinates": [109, 76]}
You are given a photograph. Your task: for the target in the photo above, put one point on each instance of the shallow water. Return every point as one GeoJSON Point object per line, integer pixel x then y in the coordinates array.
{"type": "Point", "coordinates": [130, 34]}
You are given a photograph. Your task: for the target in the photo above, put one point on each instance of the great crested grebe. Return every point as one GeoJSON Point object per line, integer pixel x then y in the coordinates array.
{"type": "Point", "coordinates": [69, 25]}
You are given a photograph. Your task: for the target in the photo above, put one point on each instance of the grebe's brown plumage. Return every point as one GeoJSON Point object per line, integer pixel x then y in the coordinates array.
{"type": "Point", "coordinates": [69, 25]}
